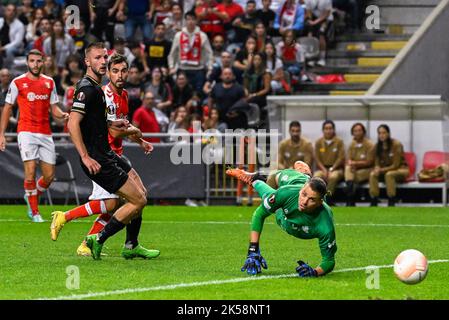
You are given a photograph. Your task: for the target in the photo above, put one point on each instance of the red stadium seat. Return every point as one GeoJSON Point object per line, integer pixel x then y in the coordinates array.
{"type": "Point", "coordinates": [410, 158]}
{"type": "Point", "coordinates": [433, 159]}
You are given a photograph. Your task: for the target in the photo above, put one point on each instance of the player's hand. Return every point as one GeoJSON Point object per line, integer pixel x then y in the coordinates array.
{"type": "Point", "coordinates": [305, 271]}
{"type": "Point", "coordinates": [65, 116]}
{"type": "Point", "coordinates": [2, 143]}
{"type": "Point", "coordinates": [146, 146]}
{"type": "Point", "coordinates": [93, 166]}
{"type": "Point", "coordinates": [254, 261]}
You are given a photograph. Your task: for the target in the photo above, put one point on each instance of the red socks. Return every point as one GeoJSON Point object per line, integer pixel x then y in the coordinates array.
{"type": "Point", "coordinates": [31, 193]}
{"type": "Point", "coordinates": [88, 209]}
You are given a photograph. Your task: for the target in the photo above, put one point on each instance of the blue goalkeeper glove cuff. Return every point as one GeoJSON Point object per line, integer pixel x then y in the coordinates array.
{"type": "Point", "coordinates": [254, 261]}
{"type": "Point", "coordinates": [305, 271]}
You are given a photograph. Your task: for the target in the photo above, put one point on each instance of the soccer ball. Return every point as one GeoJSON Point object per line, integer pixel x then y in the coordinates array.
{"type": "Point", "coordinates": [411, 266]}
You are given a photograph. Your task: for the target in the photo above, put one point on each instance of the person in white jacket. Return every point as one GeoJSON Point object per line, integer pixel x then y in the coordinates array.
{"type": "Point", "coordinates": [12, 32]}
{"type": "Point", "coordinates": [191, 52]}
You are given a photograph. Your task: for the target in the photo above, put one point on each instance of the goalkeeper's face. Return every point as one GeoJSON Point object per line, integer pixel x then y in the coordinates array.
{"type": "Point", "coordinates": [309, 200]}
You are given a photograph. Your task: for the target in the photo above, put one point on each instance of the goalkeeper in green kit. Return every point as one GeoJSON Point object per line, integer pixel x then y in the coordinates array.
{"type": "Point", "coordinates": [299, 207]}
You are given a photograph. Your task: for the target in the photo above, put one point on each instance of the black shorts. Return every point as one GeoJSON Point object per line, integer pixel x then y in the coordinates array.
{"type": "Point", "coordinates": [113, 173]}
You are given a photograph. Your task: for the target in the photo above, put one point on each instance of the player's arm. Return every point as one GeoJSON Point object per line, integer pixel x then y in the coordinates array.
{"type": "Point", "coordinates": [128, 131]}
{"type": "Point", "coordinates": [57, 113]}
{"type": "Point", "coordinates": [6, 113]}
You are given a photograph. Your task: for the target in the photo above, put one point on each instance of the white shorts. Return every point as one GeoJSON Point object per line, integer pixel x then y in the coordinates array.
{"type": "Point", "coordinates": [98, 193]}
{"type": "Point", "coordinates": [34, 146]}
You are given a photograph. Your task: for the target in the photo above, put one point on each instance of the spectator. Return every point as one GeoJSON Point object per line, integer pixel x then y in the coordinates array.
{"type": "Point", "coordinates": [32, 29]}
{"type": "Point", "coordinates": [218, 44]}
{"type": "Point", "coordinates": [213, 121]}
{"type": "Point", "coordinates": [232, 10]}
{"type": "Point", "coordinates": [25, 12]}
{"type": "Point", "coordinates": [5, 79]}
{"type": "Point", "coordinates": [138, 16]}
{"type": "Point", "coordinates": [157, 50]}
{"type": "Point", "coordinates": [260, 32]}
{"type": "Point", "coordinates": [330, 158]}
{"type": "Point", "coordinates": [229, 99]}
{"type": "Point", "coordinates": [279, 80]}
{"type": "Point", "coordinates": [162, 12]}
{"type": "Point", "coordinates": [59, 45]}
{"type": "Point", "coordinates": [244, 57]}
{"type": "Point", "coordinates": [295, 148]}
{"type": "Point", "coordinates": [43, 32]}
{"type": "Point", "coordinates": [104, 19]}
{"type": "Point", "coordinates": [145, 119]}
{"type": "Point", "coordinates": [353, 9]}
{"type": "Point", "coordinates": [161, 91]}
{"type": "Point", "coordinates": [389, 165]}
{"type": "Point", "coordinates": [210, 18]}
{"type": "Point", "coordinates": [12, 33]}
{"type": "Point", "coordinates": [191, 52]}
{"type": "Point", "coordinates": [359, 162]}
{"type": "Point", "coordinates": [51, 70]}
{"type": "Point", "coordinates": [82, 39]}
{"type": "Point", "coordinates": [290, 16]}
{"type": "Point", "coordinates": [256, 81]}
{"type": "Point", "coordinates": [267, 16]}
{"type": "Point", "coordinates": [244, 25]}
{"type": "Point", "coordinates": [52, 10]}
{"type": "Point", "coordinates": [139, 59]}
{"type": "Point", "coordinates": [182, 91]}
{"type": "Point", "coordinates": [135, 89]}
{"type": "Point", "coordinates": [318, 20]}
{"type": "Point", "coordinates": [173, 23]}
{"type": "Point", "coordinates": [120, 48]}
{"type": "Point", "coordinates": [215, 76]}
{"type": "Point", "coordinates": [291, 54]}
{"type": "Point", "coordinates": [179, 120]}
{"type": "Point", "coordinates": [71, 71]}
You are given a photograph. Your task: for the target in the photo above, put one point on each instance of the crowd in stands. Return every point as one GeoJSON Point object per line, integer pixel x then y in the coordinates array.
{"type": "Point", "coordinates": [204, 60]}
{"type": "Point", "coordinates": [364, 161]}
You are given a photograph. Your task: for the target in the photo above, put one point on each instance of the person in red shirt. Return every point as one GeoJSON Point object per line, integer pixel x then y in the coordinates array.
{"type": "Point", "coordinates": [101, 201]}
{"type": "Point", "coordinates": [145, 118]}
{"type": "Point", "coordinates": [35, 95]}
{"type": "Point", "coordinates": [231, 9]}
{"type": "Point", "coordinates": [210, 18]}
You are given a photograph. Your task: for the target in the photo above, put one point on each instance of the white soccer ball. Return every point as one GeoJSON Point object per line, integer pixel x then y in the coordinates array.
{"type": "Point", "coordinates": [411, 266]}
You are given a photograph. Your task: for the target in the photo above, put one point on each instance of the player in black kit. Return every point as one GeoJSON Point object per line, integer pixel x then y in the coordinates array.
{"type": "Point", "coordinates": [88, 127]}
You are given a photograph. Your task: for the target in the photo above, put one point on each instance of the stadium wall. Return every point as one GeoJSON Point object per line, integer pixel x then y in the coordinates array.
{"type": "Point", "coordinates": [162, 178]}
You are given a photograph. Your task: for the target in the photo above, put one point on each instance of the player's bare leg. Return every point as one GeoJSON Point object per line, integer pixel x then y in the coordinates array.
{"type": "Point", "coordinates": [31, 190]}
{"type": "Point", "coordinates": [48, 175]}
{"type": "Point", "coordinates": [136, 201]}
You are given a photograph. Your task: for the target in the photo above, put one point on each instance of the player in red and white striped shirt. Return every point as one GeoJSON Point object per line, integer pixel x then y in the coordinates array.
{"type": "Point", "coordinates": [35, 95]}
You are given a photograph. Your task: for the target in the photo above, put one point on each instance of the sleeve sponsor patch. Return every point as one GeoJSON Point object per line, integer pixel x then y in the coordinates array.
{"type": "Point", "coordinates": [269, 201]}
{"type": "Point", "coordinates": [78, 105]}
{"type": "Point", "coordinates": [81, 96]}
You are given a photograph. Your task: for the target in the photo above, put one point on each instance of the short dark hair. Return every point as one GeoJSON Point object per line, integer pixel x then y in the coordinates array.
{"type": "Point", "coordinates": [358, 124]}
{"type": "Point", "coordinates": [190, 14]}
{"type": "Point", "coordinates": [319, 186]}
{"type": "Point", "coordinates": [159, 24]}
{"type": "Point", "coordinates": [34, 52]}
{"type": "Point", "coordinates": [117, 58]}
{"type": "Point", "coordinates": [94, 45]}
{"type": "Point", "coordinates": [328, 122]}
{"type": "Point", "coordinates": [251, 1]}
{"type": "Point", "coordinates": [294, 123]}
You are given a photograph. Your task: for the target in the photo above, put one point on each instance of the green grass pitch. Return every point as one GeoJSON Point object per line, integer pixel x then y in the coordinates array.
{"type": "Point", "coordinates": [202, 250]}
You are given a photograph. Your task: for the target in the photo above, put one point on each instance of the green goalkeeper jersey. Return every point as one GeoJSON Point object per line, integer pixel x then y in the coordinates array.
{"type": "Point", "coordinates": [290, 176]}
{"type": "Point", "coordinates": [284, 203]}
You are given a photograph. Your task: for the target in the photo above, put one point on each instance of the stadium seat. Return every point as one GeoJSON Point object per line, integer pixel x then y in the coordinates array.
{"type": "Point", "coordinates": [311, 46]}
{"type": "Point", "coordinates": [68, 179]}
{"type": "Point", "coordinates": [433, 159]}
{"type": "Point", "coordinates": [410, 158]}
{"type": "Point", "coordinates": [253, 115]}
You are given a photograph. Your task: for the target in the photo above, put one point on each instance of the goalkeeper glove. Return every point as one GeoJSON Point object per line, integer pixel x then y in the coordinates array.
{"type": "Point", "coordinates": [305, 271]}
{"type": "Point", "coordinates": [254, 261]}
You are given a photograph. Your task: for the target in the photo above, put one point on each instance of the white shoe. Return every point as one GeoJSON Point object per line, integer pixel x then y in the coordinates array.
{"type": "Point", "coordinates": [311, 63]}
{"type": "Point", "coordinates": [29, 211]}
{"type": "Point", "coordinates": [191, 203]}
{"type": "Point", "coordinates": [37, 218]}
{"type": "Point", "coordinates": [321, 62]}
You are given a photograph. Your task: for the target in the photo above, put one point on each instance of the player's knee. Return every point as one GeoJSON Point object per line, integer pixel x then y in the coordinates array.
{"type": "Point", "coordinates": [111, 204]}
{"type": "Point", "coordinates": [141, 201]}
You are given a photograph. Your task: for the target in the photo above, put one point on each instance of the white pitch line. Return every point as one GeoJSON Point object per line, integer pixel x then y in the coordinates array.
{"type": "Point", "coordinates": [248, 223]}
{"type": "Point", "coordinates": [207, 283]}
